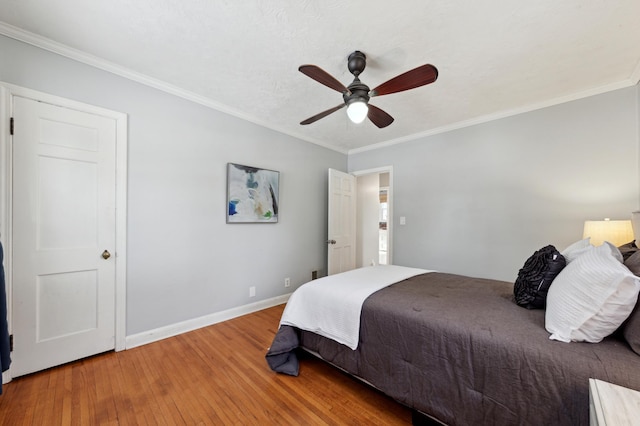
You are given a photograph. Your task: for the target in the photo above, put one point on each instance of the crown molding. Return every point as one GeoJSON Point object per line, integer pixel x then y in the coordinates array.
{"type": "Point", "coordinates": [96, 62]}
{"type": "Point", "coordinates": [502, 114]}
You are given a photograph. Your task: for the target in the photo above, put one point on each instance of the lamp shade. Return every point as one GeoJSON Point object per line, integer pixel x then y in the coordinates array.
{"type": "Point", "coordinates": [617, 232]}
{"type": "Point", "coordinates": [357, 111]}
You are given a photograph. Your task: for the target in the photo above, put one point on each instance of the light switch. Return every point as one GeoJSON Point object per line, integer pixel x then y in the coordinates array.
{"type": "Point", "coordinates": [403, 220]}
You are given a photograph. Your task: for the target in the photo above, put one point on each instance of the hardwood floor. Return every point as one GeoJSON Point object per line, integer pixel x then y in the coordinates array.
{"type": "Point", "coordinates": [216, 375]}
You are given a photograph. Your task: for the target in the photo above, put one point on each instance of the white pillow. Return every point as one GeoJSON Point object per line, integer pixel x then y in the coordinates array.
{"type": "Point", "coordinates": [591, 296]}
{"type": "Point", "coordinates": [576, 249]}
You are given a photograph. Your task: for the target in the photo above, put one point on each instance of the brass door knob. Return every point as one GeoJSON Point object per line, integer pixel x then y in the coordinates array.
{"type": "Point", "coordinates": [106, 254]}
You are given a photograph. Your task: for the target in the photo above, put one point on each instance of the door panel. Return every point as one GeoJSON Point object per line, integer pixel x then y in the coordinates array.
{"type": "Point", "coordinates": [63, 220]}
{"type": "Point", "coordinates": [67, 196]}
{"type": "Point", "coordinates": [67, 304]}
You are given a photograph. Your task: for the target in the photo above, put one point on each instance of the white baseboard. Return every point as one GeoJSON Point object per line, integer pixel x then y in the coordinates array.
{"type": "Point", "coordinates": [151, 336]}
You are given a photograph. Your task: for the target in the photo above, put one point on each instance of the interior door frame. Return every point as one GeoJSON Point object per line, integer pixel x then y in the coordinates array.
{"type": "Point", "coordinates": [7, 92]}
{"type": "Point", "coordinates": [379, 170]}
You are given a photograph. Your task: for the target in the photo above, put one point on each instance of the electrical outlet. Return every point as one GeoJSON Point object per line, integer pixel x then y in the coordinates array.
{"type": "Point", "coordinates": [252, 291]}
{"type": "Point", "coordinates": [287, 282]}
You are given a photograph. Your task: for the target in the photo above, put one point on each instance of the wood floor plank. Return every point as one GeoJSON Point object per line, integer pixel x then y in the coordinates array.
{"type": "Point", "coordinates": [214, 375]}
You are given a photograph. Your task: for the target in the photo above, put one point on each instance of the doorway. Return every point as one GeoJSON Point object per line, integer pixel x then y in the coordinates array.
{"type": "Point", "coordinates": [374, 219]}
{"type": "Point", "coordinates": [383, 227]}
{"type": "Point", "coordinates": [63, 182]}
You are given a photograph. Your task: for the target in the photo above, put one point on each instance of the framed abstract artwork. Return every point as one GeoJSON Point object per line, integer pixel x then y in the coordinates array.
{"type": "Point", "coordinates": [252, 194]}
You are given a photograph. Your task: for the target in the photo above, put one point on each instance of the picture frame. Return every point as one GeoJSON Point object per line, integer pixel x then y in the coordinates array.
{"type": "Point", "coordinates": [252, 194]}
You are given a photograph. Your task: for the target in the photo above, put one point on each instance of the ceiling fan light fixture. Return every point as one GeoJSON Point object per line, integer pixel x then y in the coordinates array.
{"type": "Point", "coordinates": [357, 111]}
{"type": "Point", "coordinates": [356, 96]}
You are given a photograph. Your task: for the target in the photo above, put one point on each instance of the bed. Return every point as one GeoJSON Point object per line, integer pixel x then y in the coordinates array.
{"type": "Point", "coordinates": [459, 350]}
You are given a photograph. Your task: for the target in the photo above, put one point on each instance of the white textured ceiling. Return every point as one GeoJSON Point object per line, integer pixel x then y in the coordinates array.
{"type": "Point", "coordinates": [495, 57]}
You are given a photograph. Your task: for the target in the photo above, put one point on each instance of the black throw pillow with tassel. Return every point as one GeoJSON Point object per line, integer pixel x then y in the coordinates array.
{"type": "Point", "coordinates": [535, 277]}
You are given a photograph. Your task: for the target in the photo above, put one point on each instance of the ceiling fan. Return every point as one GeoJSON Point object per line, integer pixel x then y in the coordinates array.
{"type": "Point", "coordinates": [356, 96]}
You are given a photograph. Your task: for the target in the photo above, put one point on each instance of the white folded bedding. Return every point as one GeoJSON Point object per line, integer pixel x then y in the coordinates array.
{"type": "Point", "coordinates": [331, 306]}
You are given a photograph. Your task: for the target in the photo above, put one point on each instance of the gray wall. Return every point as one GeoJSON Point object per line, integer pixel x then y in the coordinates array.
{"type": "Point", "coordinates": [478, 201]}
{"type": "Point", "coordinates": [184, 262]}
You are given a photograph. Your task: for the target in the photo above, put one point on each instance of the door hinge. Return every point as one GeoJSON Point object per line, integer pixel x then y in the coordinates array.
{"type": "Point", "coordinates": [11, 343]}
{"type": "Point", "coordinates": [11, 126]}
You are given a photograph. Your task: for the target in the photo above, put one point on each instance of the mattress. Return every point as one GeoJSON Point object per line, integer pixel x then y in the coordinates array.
{"type": "Point", "coordinates": [460, 350]}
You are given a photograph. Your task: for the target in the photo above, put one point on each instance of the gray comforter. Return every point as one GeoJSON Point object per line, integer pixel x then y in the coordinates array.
{"type": "Point", "coordinates": [460, 350]}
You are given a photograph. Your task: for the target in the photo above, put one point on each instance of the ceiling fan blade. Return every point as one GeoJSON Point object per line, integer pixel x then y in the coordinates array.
{"type": "Point", "coordinates": [323, 77]}
{"type": "Point", "coordinates": [322, 115]}
{"type": "Point", "coordinates": [379, 117]}
{"type": "Point", "coordinates": [417, 77]}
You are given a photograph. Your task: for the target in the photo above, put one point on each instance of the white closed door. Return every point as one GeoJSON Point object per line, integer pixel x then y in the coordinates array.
{"type": "Point", "coordinates": [341, 242]}
{"type": "Point", "coordinates": [63, 211]}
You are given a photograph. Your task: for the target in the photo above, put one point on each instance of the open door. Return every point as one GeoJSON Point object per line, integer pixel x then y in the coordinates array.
{"type": "Point", "coordinates": [341, 241]}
